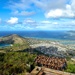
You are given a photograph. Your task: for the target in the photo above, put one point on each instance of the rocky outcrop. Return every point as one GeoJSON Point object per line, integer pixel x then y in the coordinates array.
{"type": "Point", "coordinates": [51, 49]}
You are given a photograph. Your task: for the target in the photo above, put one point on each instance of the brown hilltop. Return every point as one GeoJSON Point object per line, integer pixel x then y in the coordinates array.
{"type": "Point", "coordinates": [12, 39]}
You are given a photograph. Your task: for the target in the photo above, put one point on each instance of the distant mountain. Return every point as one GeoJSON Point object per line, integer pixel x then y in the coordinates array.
{"type": "Point", "coordinates": [70, 35]}
{"type": "Point", "coordinates": [12, 39]}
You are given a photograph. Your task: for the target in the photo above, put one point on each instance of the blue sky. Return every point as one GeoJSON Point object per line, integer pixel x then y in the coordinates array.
{"type": "Point", "coordinates": [37, 15]}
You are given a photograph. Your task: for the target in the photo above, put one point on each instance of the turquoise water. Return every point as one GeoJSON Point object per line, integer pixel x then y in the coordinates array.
{"type": "Point", "coordinates": [4, 45]}
{"type": "Point", "coordinates": [62, 41]}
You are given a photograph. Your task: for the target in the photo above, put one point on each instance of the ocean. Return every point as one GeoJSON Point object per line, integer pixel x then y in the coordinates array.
{"type": "Point", "coordinates": [36, 34]}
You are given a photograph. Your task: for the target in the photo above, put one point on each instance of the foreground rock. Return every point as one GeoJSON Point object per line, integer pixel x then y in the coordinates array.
{"type": "Point", "coordinates": [51, 48]}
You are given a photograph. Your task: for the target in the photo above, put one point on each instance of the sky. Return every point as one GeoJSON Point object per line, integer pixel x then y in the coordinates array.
{"type": "Point", "coordinates": [20, 15]}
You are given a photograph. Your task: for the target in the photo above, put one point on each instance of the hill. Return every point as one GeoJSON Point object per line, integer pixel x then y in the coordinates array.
{"type": "Point", "coordinates": [17, 43]}
{"type": "Point", "coordinates": [12, 39]}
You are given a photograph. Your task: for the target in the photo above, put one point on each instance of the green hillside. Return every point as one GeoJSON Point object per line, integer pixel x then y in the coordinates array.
{"type": "Point", "coordinates": [15, 63]}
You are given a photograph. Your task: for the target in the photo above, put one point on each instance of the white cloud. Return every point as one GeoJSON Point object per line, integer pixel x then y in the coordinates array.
{"type": "Point", "coordinates": [45, 22]}
{"type": "Point", "coordinates": [54, 13]}
{"type": "Point", "coordinates": [22, 4]}
{"type": "Point", "coordinates": [57, 9]}
{"type": "Point", "coordinates": [51, 8]}
{"type": "Point", "coordinates": [73, 4]}
{"type": "Point", "coordinates": [30, 21]}
{"type": "Point", "coordinates": [57, 13]}
{"type": "Point", "coordinates": [49, 4]}
{"type": "Point", "coordinates": [43, 4]}
{"type": "Point", "coordinates": [13, 20]}
{"type": "Point", "coordinates": [23, 13]}
{"type": "Point", "coordinates": [20, 8]}
{"type": "Point", "coordinates": [0, 20]}
{"type": "Point", "coordinates": [55, 23]}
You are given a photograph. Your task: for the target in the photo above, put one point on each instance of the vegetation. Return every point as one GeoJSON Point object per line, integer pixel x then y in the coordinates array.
{"type": "Point", "coordinates": [15, 62]}
{"type": "Point", "coordinates": [70, 67]}
{"type": "Point", "coordinates": [15, 47]}
{"type": "Point", "coordinates": [19, 63]}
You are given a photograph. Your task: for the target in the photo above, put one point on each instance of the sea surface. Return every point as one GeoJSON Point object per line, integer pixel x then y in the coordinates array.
{"type": "Point", "coordinates": [36, 34]}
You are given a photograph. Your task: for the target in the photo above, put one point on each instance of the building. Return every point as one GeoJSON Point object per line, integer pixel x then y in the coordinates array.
{"type": "Point", "coordinates": [51, 62]}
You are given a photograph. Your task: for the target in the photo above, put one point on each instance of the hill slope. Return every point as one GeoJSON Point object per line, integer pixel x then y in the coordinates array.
{"type": "Point", "coordinates": [12, 39]}
{"type": "Point", "coordinates": [18, 43]}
